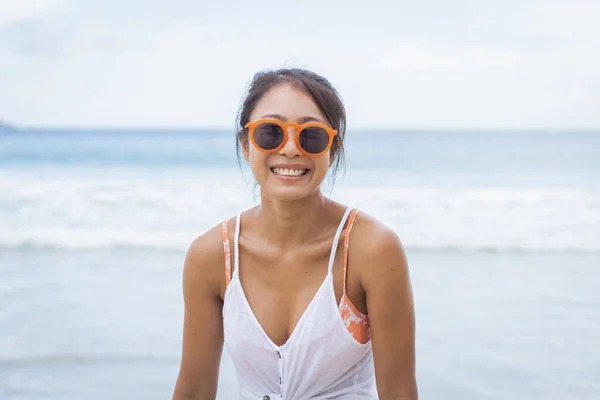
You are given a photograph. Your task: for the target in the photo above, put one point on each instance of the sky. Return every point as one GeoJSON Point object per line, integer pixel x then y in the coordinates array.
{"type": "Point", "coordinates": [511, 64]}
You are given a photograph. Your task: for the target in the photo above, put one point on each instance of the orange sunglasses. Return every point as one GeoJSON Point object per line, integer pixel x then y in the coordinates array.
{"type": "Point", "coordinates": [270, 135]}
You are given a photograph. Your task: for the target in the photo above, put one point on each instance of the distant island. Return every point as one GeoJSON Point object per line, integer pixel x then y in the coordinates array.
{"type": "Point", "coordinates": [6, 126]}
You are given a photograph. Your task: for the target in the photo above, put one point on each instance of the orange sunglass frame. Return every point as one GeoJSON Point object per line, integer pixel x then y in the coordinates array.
{"type": "Point", "coordinates": [284, 126]}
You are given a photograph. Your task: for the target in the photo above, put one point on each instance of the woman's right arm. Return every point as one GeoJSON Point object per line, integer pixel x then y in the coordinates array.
{"type": "Point", "coordinates": [203, 281]}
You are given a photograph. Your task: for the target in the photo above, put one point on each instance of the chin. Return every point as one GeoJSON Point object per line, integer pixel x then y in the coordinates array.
{"type": "Point", "coordinates": [287, 193]}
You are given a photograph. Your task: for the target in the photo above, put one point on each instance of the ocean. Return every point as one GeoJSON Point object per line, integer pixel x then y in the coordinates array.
{"type": "Point", "coordinates": [501, 230]}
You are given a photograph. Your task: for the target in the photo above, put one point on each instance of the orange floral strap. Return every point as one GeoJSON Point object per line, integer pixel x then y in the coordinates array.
{"type": "Point", "coordinates": [227, 252]}
{"type": "Point", "coordinates": [355, 321]}
{"type": "Point", "coordinates": [351, 219]}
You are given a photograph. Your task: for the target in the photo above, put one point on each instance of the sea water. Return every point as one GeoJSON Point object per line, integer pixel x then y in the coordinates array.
{"type": "Point", "coordinates": [501, 229]}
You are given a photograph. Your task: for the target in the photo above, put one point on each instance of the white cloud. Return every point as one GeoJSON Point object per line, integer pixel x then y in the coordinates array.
{"type": "Point", "coordinates": [12, 11]}
{"type": "Point", "coordinates": [408, 57]}
{"type": "Point", "coordinates": [575, 19]}
{"type": "Point", "coordinates": [189, 67]}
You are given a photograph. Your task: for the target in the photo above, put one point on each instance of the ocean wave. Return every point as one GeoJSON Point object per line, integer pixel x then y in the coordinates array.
{"type": "Point", "coordinates": [411, 249]}
{"type": "Point", "coordinates": [80, 359]}
{"type": "Point", "coordinates": [167, 214]}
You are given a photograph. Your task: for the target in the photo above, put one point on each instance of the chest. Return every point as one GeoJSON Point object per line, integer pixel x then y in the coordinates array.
{"type": "Point", "coordinates": [280, 286]}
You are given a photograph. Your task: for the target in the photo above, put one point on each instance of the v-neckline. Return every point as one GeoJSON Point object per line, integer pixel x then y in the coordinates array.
{"type": "Point", "coordinates": [328, 278]}
{"type": "Point", "coordinates": [298, 323]}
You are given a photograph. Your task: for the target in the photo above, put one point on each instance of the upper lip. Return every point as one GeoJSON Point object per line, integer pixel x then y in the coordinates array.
{"type": "Point", "coordinates": [289, 166]}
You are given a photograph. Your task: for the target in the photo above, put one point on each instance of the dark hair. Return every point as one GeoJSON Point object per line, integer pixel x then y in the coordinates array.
{"type": "Point", "coordinates": [322, 92]}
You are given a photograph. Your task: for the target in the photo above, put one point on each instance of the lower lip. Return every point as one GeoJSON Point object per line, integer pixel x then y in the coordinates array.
{"type": "Point", "coordinates": [290, 177]}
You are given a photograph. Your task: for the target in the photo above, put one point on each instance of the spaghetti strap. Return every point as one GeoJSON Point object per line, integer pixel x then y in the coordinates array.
{"type": "Point", "coordinates": [227, 252]}
{"type": "Point", "coordinates": [236, 245]}
{"type": "Point", "coordinates": [346, 243]}
{"type": "Point", "coordinates": [336, 239]}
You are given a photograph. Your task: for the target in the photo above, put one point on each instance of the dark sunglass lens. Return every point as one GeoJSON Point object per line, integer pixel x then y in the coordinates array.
{"type": "Point", "coordinates": [268, 136]}
{"type": "Point", "coordinates": [314, 140]}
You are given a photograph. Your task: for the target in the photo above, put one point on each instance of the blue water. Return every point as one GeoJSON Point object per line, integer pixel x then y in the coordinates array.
{"type": "Point", "coordinates": [462, 190]}
{"type": "Point", "coordinates": [502, 231]}
{"type": "Point", "coordinates": [536, 158]}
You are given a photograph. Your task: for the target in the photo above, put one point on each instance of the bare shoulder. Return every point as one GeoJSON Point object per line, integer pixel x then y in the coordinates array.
{"type": "Point", "coordinates": [205, 262]}
{"type": "Point", "coordinates": [372, 237]}
{"type": "Point", "coordinates": [375, 249]}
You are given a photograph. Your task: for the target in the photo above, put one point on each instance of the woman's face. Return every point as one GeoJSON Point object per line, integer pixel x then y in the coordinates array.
{"type": "Point", "coordinates": [286, 103]}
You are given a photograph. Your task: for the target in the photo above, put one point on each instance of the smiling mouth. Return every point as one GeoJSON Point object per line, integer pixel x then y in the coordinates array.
{"type": "Point", "coordinates": [289, 172]}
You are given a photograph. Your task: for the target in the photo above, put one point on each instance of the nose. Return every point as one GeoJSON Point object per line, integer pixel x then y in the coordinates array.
{"type": "Point", "coordinates": [290, 148]}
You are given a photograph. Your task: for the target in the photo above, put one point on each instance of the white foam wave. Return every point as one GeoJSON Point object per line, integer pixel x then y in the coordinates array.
{"type": "Point", "coordinates": [162, 214]}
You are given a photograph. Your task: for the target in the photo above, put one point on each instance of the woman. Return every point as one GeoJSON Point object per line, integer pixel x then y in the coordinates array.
{"type": "Point", "coordinates": [312, 299]}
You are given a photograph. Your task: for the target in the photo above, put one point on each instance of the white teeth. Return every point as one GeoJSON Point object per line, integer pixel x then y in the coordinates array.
{"type": "Point", "coordinates": [289, 172]}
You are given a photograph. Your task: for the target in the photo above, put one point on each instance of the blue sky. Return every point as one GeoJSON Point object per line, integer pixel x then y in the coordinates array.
{"type": "Point", "coordinates": [397, 64]}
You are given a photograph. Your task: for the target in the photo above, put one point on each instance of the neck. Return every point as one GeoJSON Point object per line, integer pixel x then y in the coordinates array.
{"type": "Point", "coordinates": [289, 223]}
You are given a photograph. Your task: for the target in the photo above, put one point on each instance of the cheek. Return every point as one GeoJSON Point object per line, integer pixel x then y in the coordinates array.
{"type": "Point", "coordinates": [256, 158]}
{"type": "Point", "coordinates": [322, 163]}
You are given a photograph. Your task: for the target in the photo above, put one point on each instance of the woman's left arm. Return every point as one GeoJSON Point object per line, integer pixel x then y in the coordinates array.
{"type": "Point", "coordinates": [386, 282]}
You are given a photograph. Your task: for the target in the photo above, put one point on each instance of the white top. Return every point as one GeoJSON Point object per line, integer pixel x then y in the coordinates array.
{"type": "Point", "coordinates": [320, 360]}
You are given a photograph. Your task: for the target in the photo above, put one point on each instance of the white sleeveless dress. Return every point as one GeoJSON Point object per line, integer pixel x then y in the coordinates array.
{"type": "Point", "coordinates": [320, 360]}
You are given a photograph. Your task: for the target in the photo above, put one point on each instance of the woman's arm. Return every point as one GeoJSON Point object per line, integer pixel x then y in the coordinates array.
{"type": "Point", "coordinates": [385, 279]}
{"type": "Point", "coordinates": [203, 278]}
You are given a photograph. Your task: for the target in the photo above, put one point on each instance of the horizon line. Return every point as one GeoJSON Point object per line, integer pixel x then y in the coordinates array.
{"type": "Point", "coordinates": [14, 127]}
